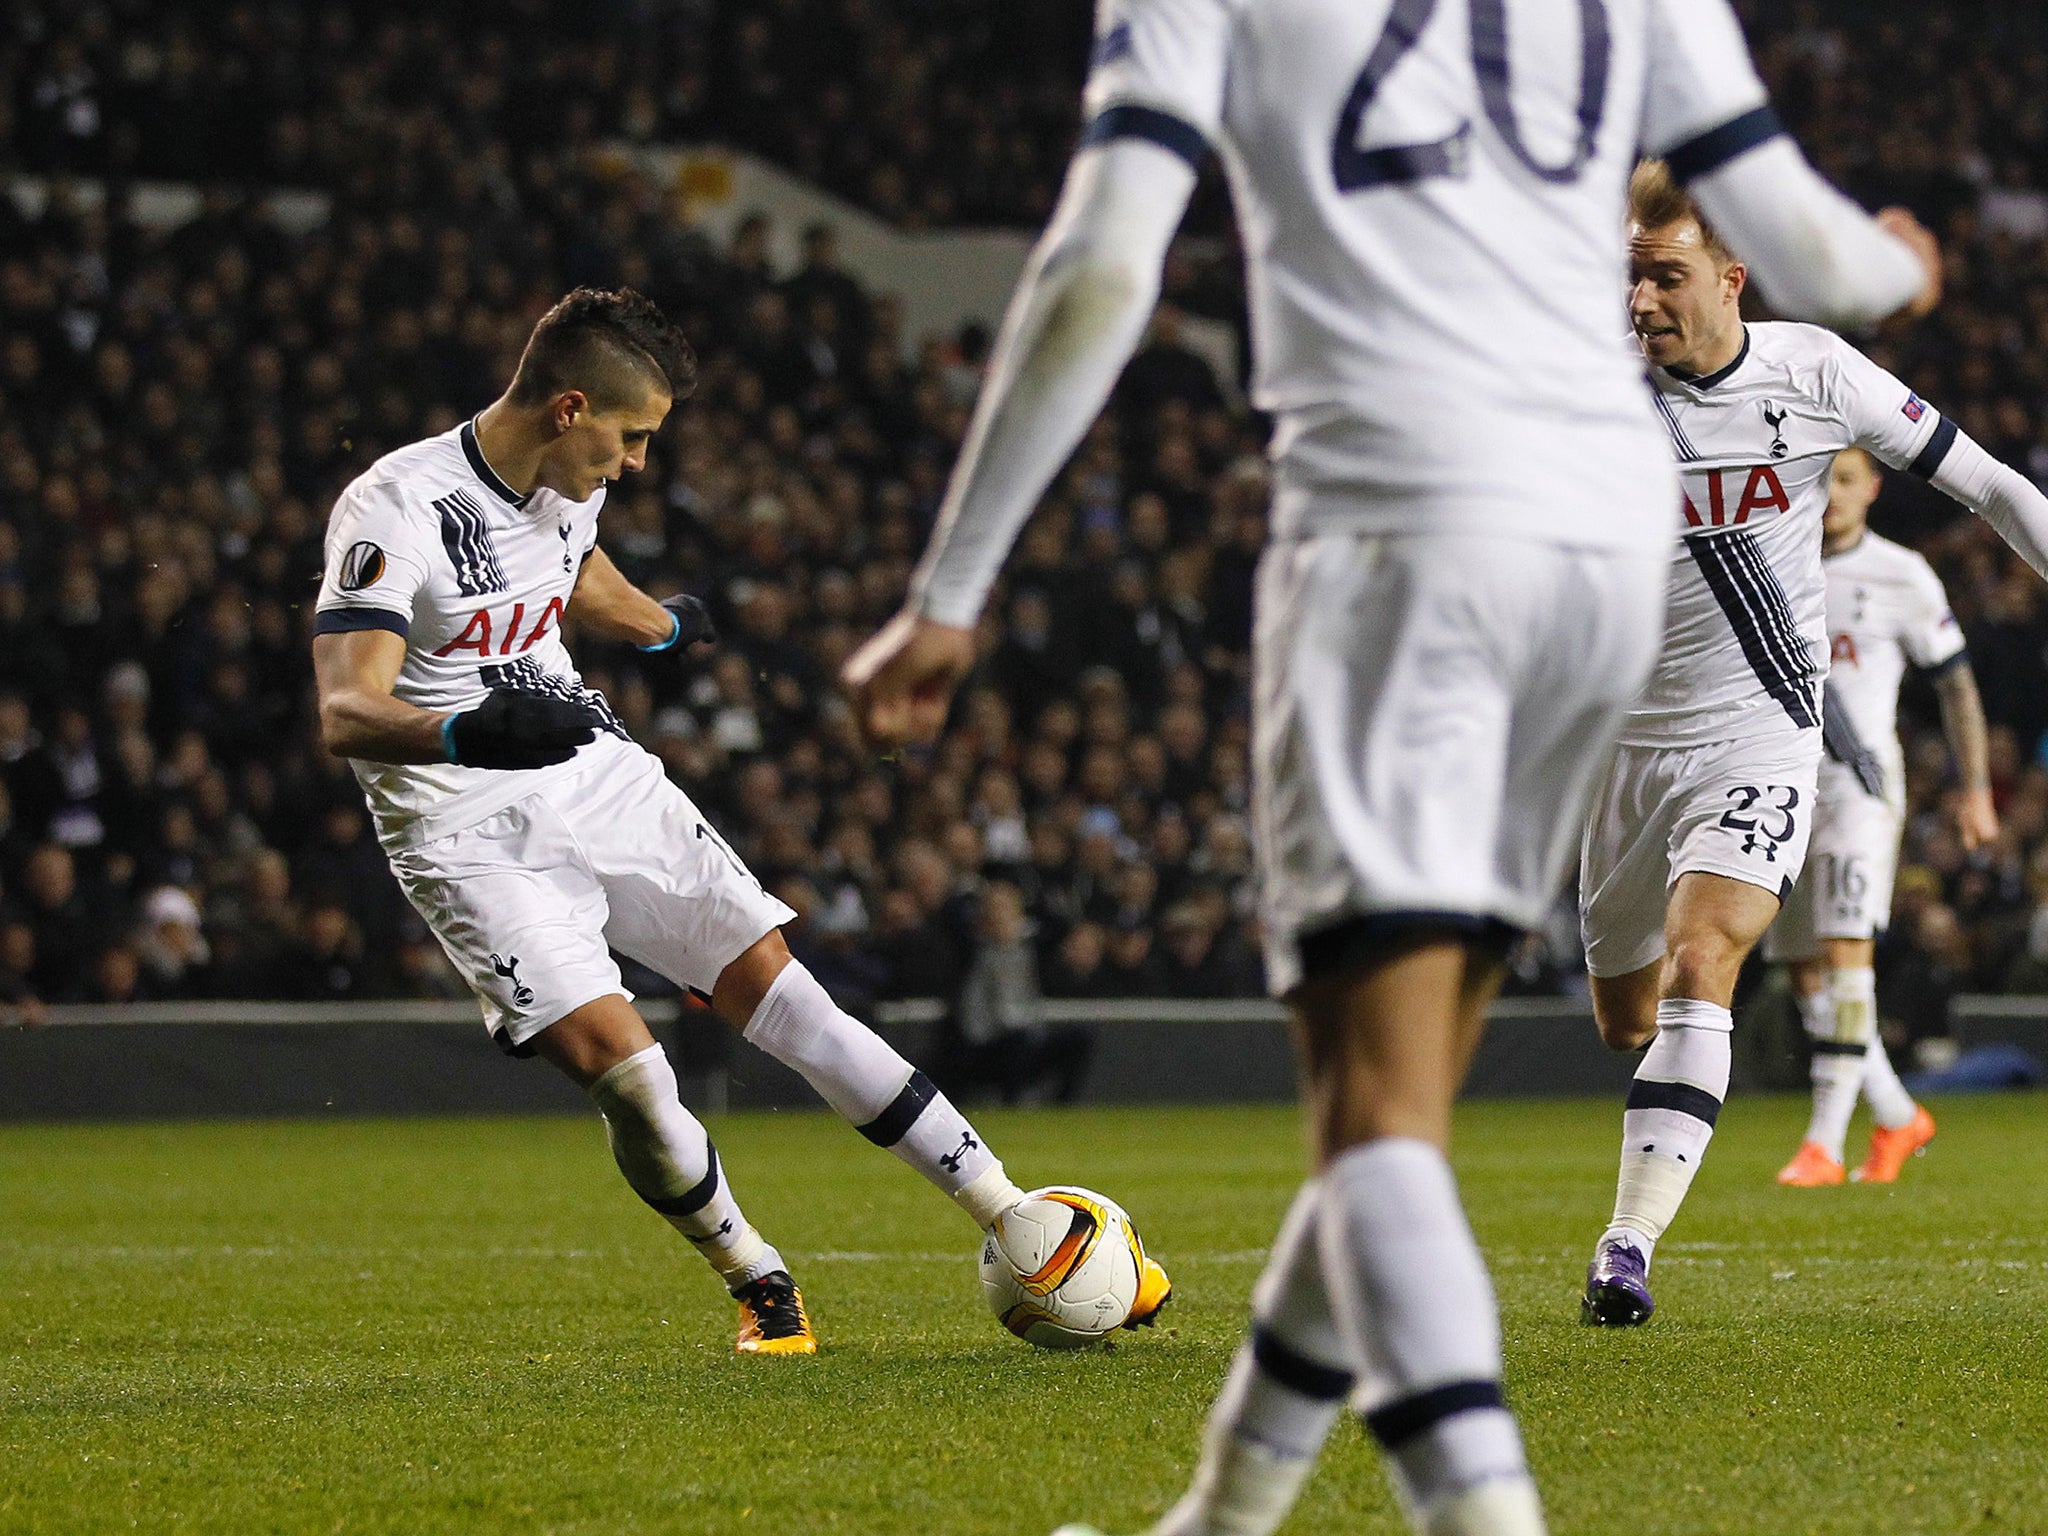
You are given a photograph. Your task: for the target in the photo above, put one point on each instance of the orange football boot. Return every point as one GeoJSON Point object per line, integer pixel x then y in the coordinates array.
{"type": "Point", "coordinates": [1810, 1168]}
{"type": "Point", "coordinates": [1889, 1149]}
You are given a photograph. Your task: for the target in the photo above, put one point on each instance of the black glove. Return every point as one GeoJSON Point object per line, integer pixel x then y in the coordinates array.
{"type": "Point", "coordinates": [511, 729]}
{"type": "Point", "coordinates": [1838, 737]}
{"type": "Point", "coordinates": [693, 623]}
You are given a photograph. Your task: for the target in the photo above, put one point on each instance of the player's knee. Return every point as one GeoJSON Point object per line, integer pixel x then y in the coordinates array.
{"type": "Point", "coordinates": [741, 986]}
{"type": "Point", "coordinates": [1625, 1029]}
{"type": "Point", "coordinates": [1704, 964]}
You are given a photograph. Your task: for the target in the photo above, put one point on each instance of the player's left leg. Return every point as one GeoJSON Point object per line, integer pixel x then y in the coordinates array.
{"type": "Point", "coordinates": [1388, 1040]}
{"type": "Point", "coordinates": [1840, 1014]}
{"type": "Point", "coordinates": [1842, 896]}
{"type": "Point", "coordinates": [1900, 1127]}
{"type": "Point", "coordinates": [1711, 924]}
{"type": "Point", "coordinates": [1740, 816]}
{"type": "Point", "coordinates": [1386, 1028]}
{"type": "Point", "coordinates": [779, 1006]}
{"type": "Point", "coordinates": [682, 903]}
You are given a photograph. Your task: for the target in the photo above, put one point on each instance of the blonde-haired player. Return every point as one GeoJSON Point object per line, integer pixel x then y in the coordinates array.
{"type": "Point", "coordinates": [1701, 823]}
{"type": "Point", "coordinates": [1886, 610]}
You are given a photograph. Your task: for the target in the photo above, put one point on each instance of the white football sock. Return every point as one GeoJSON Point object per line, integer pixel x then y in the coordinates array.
{"type": "Point", "coordinates": [1669, 1118]}
{"type": "Point", "coordinates": [1890, 1105]}
{"type": "Point", "coordinates": [1283, 1394]}
{"type": "Point", "coordinates": [1412, 1302]}
{"type": "Point", "coordinates": [1506, 1508]}
{"type": "Point", "coordinates": [667, 1157]}
{"type": "Point", "coordinates": [888, 1101]}
{"type": "Point", "coordinates": [1838, 1057]}
{"type": "Point", "coordinates": [1817, 1012]}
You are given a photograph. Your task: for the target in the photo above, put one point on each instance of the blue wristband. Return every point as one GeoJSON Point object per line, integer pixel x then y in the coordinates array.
{"type": "Point", "coordinates": [448, 737]}
{"type": "Point", "coordinates": [675, 632]}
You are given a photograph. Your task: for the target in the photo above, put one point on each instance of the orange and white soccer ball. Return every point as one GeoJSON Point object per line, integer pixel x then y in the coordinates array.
{"type": "Point", "coordinates": [1061, 1267]}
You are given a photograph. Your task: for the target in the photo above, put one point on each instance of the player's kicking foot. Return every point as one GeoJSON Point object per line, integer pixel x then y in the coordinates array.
{"type": "Point", "coordinates": [1811, 1168]}
{"type": "Point", "coordinates": [1617, 1288]}
{"type": "Point", "coordinates": [772, 1317]}
{"type": "Point", "coordinates": [1889, 1149]}
{"type": "Point", "coordinates": [1154, 1292]}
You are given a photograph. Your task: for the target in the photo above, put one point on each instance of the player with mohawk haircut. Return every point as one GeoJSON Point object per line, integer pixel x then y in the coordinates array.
{"type": "Point", "coordinates": [535, 837]}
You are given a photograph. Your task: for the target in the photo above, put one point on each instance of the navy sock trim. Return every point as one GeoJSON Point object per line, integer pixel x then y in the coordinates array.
{"type": "Point", "coordinates": [1130, 121]}
{"type": "Point", "coordinates": [1648, 1093]}
{"type": "Point", "coordinates": [1400, 1422]}
{"type": "Point", "coordinates": [693, 1199]}
{"type": "Point", "coordinates": [1717, 146]}
{"type": "Point", "coordinates": [893, 1123]}
{"type": "Point", "coordinates": [1840, 1048]}
{"type": "Point", "coordinates": [1295, 1371]}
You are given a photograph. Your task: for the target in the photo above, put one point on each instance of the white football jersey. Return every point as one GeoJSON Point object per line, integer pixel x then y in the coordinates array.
{"type": "Point", "coordinates": [1430, 197]}
{"type": "Point", "coordinates": [430, 544]}
{"type": "Point", "coordinates": [1745, 637]}
{"type": "Point", "coordinates": [1886, 608]}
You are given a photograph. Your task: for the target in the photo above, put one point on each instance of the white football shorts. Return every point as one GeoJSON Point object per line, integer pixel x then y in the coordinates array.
{"type": "Point", "coordinates": [1743, 809]}
{"type": "Point", "coordinates": [530, 902]}
{"type": "Point", "coordinates": [1845, 891]}
{"type": "Point", "coordinates": [1430, 713]}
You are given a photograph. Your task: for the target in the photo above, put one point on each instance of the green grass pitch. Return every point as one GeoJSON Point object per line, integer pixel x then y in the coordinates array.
{"type": "Point", "coordinates": [470, 1325]}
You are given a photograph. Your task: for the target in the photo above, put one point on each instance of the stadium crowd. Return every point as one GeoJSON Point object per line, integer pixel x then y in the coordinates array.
{"type": "Point", "coordinates": [179, 407]}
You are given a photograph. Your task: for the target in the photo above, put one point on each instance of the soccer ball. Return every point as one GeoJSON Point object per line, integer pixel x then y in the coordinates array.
{"type": "Point", "coordinates": [1061, 1267]}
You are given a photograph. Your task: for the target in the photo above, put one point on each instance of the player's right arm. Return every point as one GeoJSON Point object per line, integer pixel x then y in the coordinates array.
{"type": "Point", "coordinates": [1815, 254]}
{"type": "Point", "coordinates": [1154, 100]}
{"type": "Point", "coordinates": [376, 570]}
{"type": "Point", "coordinates": [360, 717]}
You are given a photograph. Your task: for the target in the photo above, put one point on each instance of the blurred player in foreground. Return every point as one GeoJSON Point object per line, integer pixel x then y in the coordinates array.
{"type": "Point", "coordinates": [1700, 825]}
{"type": "Point", "coordinates": [1885, 609]}
{"type": "Point", "coordinates": [1472, 515]}
{"type": "Point", "coordinates": [534, 836]}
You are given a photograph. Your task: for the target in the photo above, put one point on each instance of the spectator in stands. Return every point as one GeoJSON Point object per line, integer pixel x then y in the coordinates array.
{"type": "Point", "coordinates": [999, 1039]}
{"type": "Point", "coordinates": [171, 948]}
{"type": "Point", "coordinates": [64, 933]}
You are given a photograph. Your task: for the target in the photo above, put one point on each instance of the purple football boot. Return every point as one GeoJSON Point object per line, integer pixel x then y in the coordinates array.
{"type": "Point", "coordinates": [1617, 1287]}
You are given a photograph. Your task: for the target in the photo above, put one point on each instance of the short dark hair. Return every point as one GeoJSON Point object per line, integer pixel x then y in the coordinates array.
{"type": "Point", "coordinates": [603, 342]}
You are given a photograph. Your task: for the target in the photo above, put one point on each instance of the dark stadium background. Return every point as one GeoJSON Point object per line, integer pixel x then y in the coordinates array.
{"type": "Point", "coordinates": [178, 411]}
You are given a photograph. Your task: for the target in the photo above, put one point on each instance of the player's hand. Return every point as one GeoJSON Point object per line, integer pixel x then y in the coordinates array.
{"type": "Point", "coordinates": [903, 678]}
{"type": "Point", "coordinates": [1899, 222]}
{"type": "Point", "coordinates": [511, 729]}
{"type": "Point", "coordinates": [1976, 819]}
{"type": "Point", "coordinates": [692, 623]}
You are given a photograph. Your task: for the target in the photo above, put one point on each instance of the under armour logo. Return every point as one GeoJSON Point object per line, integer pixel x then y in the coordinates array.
{"type": "Point", "coordinates": [508, 967]}
{"type": "Point", "coordinates": [951, 1161]}
{"type": "Point", "coordinates": [1774, 418]}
